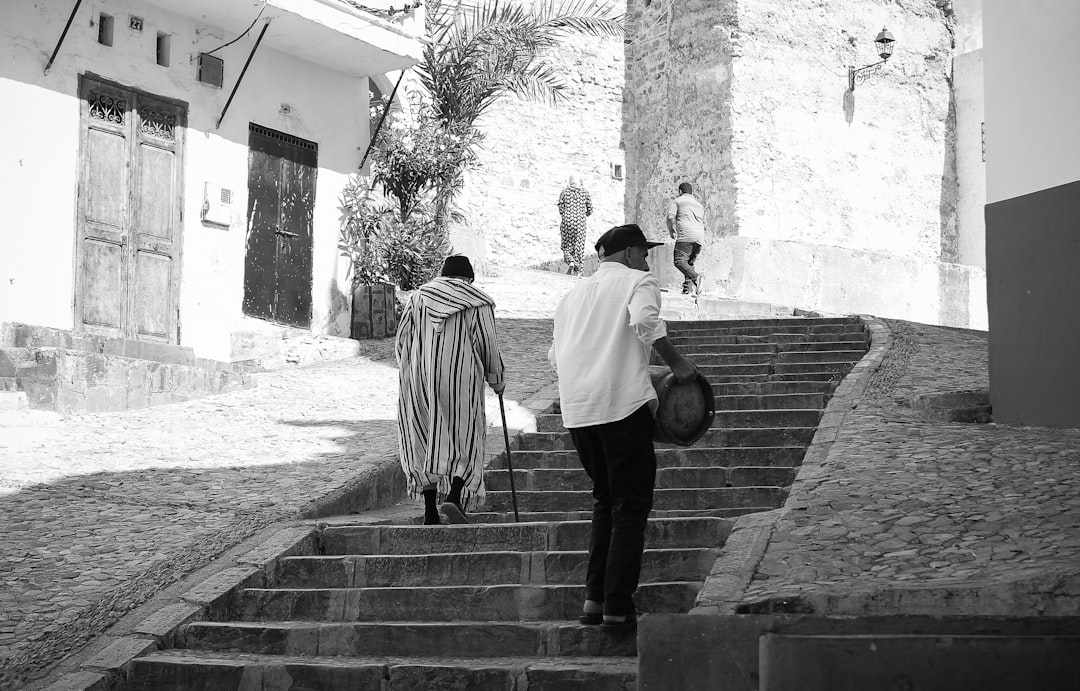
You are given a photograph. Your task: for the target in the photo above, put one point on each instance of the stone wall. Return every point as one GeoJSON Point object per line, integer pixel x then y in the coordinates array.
{"type": "Point", "coordinates": [530, 150]}
{"type": "Point", "coordinates": [818, 196]}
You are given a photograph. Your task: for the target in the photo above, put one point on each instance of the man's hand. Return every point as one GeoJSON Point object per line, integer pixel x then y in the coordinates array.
{"type": "Point", "coordinates": [684, 371]}
{"type": "Point", "coordinates": [498, 388]}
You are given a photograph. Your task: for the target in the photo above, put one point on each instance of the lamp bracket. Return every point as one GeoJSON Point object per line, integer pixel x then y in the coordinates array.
{"type": "Point", "coordinates": [862, 75]}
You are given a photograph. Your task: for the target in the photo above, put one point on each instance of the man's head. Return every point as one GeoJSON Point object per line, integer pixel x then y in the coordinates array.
{"type": "Point", "coordinates": [625, 245]}
{"type": "Point", "coordinates": [686, 188]}
{"type": "Point", "coordinates": [457, 266]}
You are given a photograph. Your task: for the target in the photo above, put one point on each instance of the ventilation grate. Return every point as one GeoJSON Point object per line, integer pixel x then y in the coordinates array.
{"type": "Point", "coordinates": [282, 137]}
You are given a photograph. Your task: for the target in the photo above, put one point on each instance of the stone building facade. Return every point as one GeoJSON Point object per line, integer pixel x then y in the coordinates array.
{"type": "Point", "coordinates": [819, 196]}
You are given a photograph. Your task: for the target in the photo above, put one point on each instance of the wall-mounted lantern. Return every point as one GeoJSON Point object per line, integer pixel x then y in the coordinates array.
{"type": "Point", "coordinates": [884, 42]}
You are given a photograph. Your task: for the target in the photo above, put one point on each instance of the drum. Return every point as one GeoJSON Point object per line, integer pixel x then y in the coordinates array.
{"type": "Point", "coordinates": [685, 411]}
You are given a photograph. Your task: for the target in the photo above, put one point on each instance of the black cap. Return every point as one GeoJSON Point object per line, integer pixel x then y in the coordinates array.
{"type": "Point", "coordinates": [457, 265]}
{"type": "Point", "coordinates": [620, 237]}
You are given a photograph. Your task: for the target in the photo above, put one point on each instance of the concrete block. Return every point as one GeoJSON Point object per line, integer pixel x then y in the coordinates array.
{"type": "Point", "coordinates": [166, 620]}
{"type": "Point", "coordinates": [216, 587]}
{"type": "Point", "coordinates": [81, 681]}
{"type": "Point", "coordinates": [121, 652]}
{"type": "Point", "coordinates": [924, 662]}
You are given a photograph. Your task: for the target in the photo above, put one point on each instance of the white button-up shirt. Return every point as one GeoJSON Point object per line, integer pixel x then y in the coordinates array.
{"type": "Point", "coordinates": [604, 331]}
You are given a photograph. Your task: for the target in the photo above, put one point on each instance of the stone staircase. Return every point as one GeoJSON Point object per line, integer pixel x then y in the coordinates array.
{"type": "Point", "coordinates": [493, 605]}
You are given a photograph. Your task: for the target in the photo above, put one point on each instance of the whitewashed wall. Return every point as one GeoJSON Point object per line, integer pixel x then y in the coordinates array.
{"type": "Point", "coordinates": [40, 133]}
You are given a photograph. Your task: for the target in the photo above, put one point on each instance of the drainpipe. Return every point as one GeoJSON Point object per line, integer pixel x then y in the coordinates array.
{"type": "Point", "coordinates": [382, 118]}
{"type": "Point", "coordinates": [242, 73]}
{"type": "Point", "coordinates": [63, 35]}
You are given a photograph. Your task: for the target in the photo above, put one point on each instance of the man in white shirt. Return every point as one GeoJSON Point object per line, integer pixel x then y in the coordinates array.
{"type": "Point", "coordinates": [605, 328]}
{"type": "Point", "coordinates": [686, 223]}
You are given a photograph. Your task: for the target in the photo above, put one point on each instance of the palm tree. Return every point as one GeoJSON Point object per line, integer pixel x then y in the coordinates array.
{"type": "Point", "coordinates": [478, 52]}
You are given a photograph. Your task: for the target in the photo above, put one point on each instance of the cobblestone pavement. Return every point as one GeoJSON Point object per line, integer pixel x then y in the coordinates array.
{"type": "Point", "coordinates": [99, 512]}
{"type": "Point", "coordinates": [916, 516]}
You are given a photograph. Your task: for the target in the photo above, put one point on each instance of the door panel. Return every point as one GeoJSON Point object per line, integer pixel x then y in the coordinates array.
{"type": "Point", "coordinates": [156, 210]}
{"type": "Point", "coordinates": [106, 193]}
{"type": "Point", "coordinates": [281, 199]}
{"type": "Point", "coordinates": [130, 201]}
{"type": "Point", "coordinates": [264, 209]}
{"type": "Point", "coordinates": [294, 246]}
{"type": "Point", "coordinates": [153, 281]}
{"type": "Point", "coordinates": [103, 298]}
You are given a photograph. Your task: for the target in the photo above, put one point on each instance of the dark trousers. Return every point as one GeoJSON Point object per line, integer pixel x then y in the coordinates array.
{"type": "Point", "coordinates": [619, 458]}
{"type": "Point", "coordinates": [685, 255]}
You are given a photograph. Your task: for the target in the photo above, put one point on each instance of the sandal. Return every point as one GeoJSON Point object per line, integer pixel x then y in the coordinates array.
{"type": "Point", "coordinates": [617, 624]}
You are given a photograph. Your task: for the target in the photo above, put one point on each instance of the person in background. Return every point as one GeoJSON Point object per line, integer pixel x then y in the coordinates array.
{"type": "Point", "coordinates": [574, 206]}
{"type": "Point", "coordinates": [686, 223]}
{"type": "Point", "coordinates": [605, 329]}
{"type": "Point", "coordinates": [446, 349]}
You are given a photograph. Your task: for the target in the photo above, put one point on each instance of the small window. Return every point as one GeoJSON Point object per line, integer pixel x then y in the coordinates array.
{"type": "Point", "coordinates": [617, 171]}
{"type": "Point", "coordinates": [105, 29]}
{"type": "Point", "coordinates": [163, 42]}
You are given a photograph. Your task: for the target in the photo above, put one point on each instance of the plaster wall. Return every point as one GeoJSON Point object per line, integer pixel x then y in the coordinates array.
{"type": "Point", "coordinates": [841, 200]}
{"type": "Point", "coordinates": [39, 178]}
{"type": "Point", "coordinates": [1033, 193]}
{"type": "Point", "coordinates": [1032, 103]}
{"type": "Point", "coordinates": [967, 82]}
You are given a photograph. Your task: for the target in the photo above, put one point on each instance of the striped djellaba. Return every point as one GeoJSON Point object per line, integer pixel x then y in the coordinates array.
{"type": "Point", "coordinates": [447, 347]}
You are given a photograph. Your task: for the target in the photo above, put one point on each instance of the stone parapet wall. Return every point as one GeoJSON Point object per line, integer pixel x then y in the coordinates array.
{"type": "Point", "coordinates": [817, 196]}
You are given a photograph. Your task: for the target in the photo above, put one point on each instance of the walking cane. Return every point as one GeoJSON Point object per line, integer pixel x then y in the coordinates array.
{"type": "Point", "coordinates": [509, 465]}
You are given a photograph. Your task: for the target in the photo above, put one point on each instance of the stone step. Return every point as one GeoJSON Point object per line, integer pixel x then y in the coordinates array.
{"type": "Point", "coordinates": [787, 401]}
{"type": "Point", "coordinates": [773, 456]}
{"type": "Point", "coordinates": [586, 515]}
{"type": "Point", "coordinates": [555, 479]}
{"type": "Point", "coordinates": [775, 417]}
{"type": "Point", "coordinates": [184, 670]}
{"type": "Point", "coordinates": [768, 322]}
{"type": "Point", "coordinates": [801, 376]}
{"type": "Point", "coordinates": [691, 339]}
{"type": "Point", "coordinates": [663, 499]}
{"type": "Point", "coordinates": [715, 372]}
{"type": "Point", "coordinates": [811, 368]}
{"type": "Point", "coordinates": [819, 356]}
{"type": "Point", "coordinates": [478, 568]}
{"type": "Point", "coordinates": [755, 327]}
{"type": "Point", "coordinates": [758, 359]}
{"type": "Point", "coordinates": [736, 436]}
{"type": "Point", "coordinates": [420, 638]}
{"type": "Point", "coordinates": [771, 387]}
{"type": "Point", "coordinates": [705, 348]}
{"type": "Point", "coordinates": [501, 602]}
{"type": "Point", "coordinates": [661, 533]}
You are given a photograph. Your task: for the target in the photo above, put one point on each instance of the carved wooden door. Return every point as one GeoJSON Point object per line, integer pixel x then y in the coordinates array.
{"type": "Point", "coordinates": [281, 202]}
{"type": "Point", "coordinates": [129, 213]}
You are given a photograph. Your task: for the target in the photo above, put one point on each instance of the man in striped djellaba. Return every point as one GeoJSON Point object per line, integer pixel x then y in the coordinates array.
{"type": "Point", "coordinates": [447, 349]}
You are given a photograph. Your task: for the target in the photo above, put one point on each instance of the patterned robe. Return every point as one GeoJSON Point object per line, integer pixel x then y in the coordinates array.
{"type": "Point", "coordinates": [446, 348]}
{"type": "Point", "coordinates": [574, 205]}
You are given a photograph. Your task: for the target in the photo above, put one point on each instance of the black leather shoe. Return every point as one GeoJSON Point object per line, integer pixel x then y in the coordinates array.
{"type": "Point", "coordinates": [591, 619]}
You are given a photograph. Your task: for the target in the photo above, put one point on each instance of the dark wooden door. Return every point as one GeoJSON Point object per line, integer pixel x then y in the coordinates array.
{"type": "Point", "coordinates": [281, 200]}
{"type": "Point", "coordinates": [129, 213]}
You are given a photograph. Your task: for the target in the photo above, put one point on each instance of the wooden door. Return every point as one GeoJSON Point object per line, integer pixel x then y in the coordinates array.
{"type": "Point", "coordinates": [281, 201]}
{"type": "Point", "coordinates": [129, 213]}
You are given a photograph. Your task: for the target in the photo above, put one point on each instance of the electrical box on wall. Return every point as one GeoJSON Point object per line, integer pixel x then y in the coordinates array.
{"type": "Point", "coordinates": [211, 70]}
{"type": "Point", "coordinates": [217, 208]}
